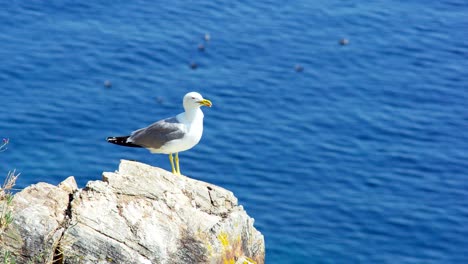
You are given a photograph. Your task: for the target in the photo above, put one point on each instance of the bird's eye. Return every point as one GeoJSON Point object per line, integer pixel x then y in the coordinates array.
{"type": "Point", "coordinates": [193, 97]}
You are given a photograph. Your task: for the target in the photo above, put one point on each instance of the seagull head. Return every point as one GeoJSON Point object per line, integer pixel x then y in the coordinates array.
{"type": "Point", "coordinates": [194, 100]}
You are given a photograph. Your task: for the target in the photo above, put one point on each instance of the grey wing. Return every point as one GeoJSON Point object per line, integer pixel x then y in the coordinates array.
{"type": "Point", "coordinates": [158, 134]}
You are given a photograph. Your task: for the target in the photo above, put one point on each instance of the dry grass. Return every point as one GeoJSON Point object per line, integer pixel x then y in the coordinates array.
{"type": "Point", "coordinates": [6, 195]}
{"type": "Point", "coordinates": [6, 198]}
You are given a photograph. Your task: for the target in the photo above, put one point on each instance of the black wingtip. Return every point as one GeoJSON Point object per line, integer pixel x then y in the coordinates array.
{"type": "Point", "coordinates": [122, 141]}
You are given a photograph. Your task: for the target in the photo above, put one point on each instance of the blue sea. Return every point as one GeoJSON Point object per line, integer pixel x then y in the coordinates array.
{"type": "Point", "coordinates": [352, 153]}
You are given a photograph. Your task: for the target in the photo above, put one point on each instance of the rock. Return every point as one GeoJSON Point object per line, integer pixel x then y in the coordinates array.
{"type": "Point", "coordinates": [69, 185]}
{"type": "Point", "coordinates": [139, 214]}
{"type": "Point", "coordinates": [40, 214]}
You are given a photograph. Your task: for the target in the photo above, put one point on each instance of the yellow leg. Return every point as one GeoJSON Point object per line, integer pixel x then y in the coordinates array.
{"type": "Point", "coordinates": [172, 163]}
{"type": "Point", "coordinates": [177, 163]}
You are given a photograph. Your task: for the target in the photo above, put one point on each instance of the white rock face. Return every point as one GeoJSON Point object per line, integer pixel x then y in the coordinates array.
{"type": "Point", "coordinates": [40, 215]}
{"type": "Point", "coordinates": [143, 214]}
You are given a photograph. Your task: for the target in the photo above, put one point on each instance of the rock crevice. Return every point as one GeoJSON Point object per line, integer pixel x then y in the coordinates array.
{"type": "Point", "coordinates": [138, 214]}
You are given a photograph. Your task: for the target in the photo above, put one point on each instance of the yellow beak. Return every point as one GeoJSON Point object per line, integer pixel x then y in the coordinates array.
{"type": "Point", "coordinates": [205, 102]}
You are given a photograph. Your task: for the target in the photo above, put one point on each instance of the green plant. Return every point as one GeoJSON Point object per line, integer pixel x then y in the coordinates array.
{"type": "Point", "coordinates": [6, 199]}
{"type": "Point", "coordinates": [6, 196]}
{"type": "Point", "coordinates": [7, 258]}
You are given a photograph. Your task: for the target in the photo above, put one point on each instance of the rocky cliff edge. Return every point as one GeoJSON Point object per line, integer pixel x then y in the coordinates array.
{"type": "Point", "coordinates": [138, 214]}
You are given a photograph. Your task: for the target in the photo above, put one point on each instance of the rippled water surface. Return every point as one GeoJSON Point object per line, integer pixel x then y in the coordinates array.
{"type": "Point", "coordinates": [360, 158]}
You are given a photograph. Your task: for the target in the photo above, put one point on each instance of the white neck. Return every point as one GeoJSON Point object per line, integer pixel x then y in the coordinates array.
{"type": "Point", "coordinates": [192, 113]}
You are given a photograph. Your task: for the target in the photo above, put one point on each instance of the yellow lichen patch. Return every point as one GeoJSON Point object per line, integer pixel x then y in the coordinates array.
{"type": "Point", "coordinates": [248, 260]}
{"type": "Point", "coordinates": [232, 250]}
{"type": "Point", "coordinates": [228, 257]}
{"type": "Point", "coordinates": [223, 238]}
{"type": "Point", "coordinates": [209, 248]}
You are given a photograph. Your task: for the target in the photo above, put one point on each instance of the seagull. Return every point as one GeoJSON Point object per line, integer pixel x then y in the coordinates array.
{"type": "Point", "coordinates": [171, 135]}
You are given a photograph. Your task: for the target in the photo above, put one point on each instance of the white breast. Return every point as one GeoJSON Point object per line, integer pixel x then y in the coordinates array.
{"type": "Point", "coordinates": [193, 133]}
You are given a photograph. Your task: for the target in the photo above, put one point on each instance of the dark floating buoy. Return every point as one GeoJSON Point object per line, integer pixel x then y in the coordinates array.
{"type": "Point", "coordinates": [193, 65]}
{"type": "Point", "coordinates": [299, 68]}
{"type": "Point", "coordinates": [107, 84]}
{"type": "Point", "coordinates": [201, 47]}
{"type": "Point", "coordinates": [207, 37]}
{"type": "Point", "coordinates": [344, 41]}
{"type": "Point", "coordinates": [159, 99]}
